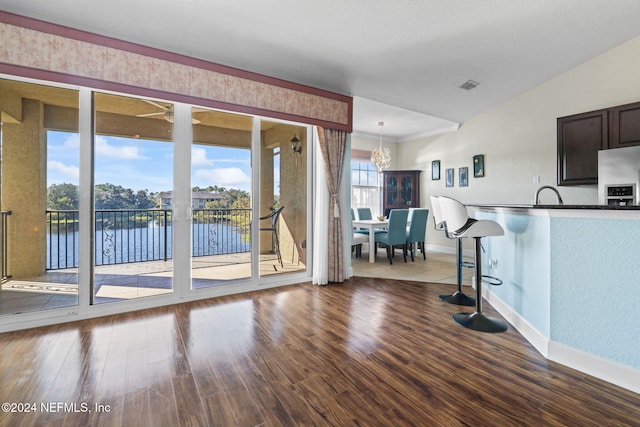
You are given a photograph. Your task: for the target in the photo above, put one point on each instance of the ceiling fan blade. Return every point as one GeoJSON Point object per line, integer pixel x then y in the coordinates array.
{"type": "Point", "coordinates": [155, 104]}
{"type": "Point", "coordinates": [150, 114]}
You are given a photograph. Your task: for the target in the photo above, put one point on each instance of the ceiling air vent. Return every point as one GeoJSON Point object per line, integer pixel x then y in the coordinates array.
{"type": "Point", "coordinates": [468, 85]}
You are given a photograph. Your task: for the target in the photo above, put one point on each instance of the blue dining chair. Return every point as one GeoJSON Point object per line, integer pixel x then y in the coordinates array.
{"type": "Point", "coordinates": [365, 213]}
{"type": "Point", "coordinates": [395, 234]}
{"type": "Point", "coordinates": [417, 230]}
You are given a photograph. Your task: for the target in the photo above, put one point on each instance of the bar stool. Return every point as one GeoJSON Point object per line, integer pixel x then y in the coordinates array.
{"type": "Point", "coordinates": [456, 217]}
{"type": "Point", "coordinates": [458, 297]}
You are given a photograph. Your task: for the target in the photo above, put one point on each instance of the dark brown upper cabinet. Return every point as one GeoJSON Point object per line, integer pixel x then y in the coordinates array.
{"type": "Point", "coordinates": [580, 136]}
{"type": "Point", "coordinates": [625, 125]}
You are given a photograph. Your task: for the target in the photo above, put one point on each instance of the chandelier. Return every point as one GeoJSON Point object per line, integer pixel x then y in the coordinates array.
{"type": "Point", "coordinates": [381, 156]}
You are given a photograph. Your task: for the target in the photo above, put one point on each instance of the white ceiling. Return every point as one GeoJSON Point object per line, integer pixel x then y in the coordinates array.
{"type": "Point", "coordinates": [403, 60]}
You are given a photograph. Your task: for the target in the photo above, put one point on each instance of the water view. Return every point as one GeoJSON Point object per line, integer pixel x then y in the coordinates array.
{"type": "Point", "coordinates": [214, 233]}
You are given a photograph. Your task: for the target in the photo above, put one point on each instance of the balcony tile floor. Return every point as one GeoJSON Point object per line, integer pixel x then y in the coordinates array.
{"type": "Point", "coordinates": [59, 289]}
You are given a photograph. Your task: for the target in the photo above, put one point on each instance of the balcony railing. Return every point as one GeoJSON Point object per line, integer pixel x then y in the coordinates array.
{"type": "Point", "coordinates": [140, 235]}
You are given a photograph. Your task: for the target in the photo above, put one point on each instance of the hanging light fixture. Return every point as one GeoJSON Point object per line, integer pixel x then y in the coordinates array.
{"type": "Point", "coordinates": [381, 156]}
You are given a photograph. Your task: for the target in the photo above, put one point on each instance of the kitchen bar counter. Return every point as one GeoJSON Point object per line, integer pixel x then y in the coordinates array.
{"type": "Point", "coordinates": [571, 283]}
{"type": "Point", "coordinates": [596, 207]}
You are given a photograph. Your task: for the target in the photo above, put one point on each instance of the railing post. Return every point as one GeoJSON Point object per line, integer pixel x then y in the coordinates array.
{"type": "Point", "coordinates": [166, 233]}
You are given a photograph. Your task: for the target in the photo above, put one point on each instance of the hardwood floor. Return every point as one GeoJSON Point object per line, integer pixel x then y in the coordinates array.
{"type": "Point", "coordinates": [370, 352]}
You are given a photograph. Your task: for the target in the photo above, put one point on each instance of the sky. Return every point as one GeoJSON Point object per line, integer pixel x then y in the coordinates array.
{"type": "Point", "coordinates": [146, 165]}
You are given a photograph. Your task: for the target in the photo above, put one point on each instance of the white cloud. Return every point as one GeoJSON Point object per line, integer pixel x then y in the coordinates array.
{"type": "Point", "coordinates": [69, 171]}
{"type": "Point", "coordinates": [199, 157]}
{"type": "Point", "coordinates": [223, 177]}
{"type": "Point", "coordinates": [127, 152]}
{"type": "Point", "coordinates": [72, 141]}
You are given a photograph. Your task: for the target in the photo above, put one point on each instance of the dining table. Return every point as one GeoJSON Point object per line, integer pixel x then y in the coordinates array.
{"type": "Point", "coordinates": [371, 225]}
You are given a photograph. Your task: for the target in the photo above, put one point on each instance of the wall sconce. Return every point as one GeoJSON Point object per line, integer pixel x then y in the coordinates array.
{"type": "Point", "coordinates": [296, 146]}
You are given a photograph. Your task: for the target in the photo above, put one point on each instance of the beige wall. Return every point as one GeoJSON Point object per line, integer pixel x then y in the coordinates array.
{"type": "Point", "coordinates": [24, 191]}
{"type": "Point", "coordinates": [518, 137]}
{"type": "Point", "coordinates": [293, 225]}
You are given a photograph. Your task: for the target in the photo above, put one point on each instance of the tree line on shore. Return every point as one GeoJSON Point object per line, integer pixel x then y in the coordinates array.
{"type": "Point", "coordinates": [109, 196]}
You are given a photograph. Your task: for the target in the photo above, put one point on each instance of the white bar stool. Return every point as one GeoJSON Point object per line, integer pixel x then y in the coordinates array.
{"type": "Point", "coordinates": [458, 297]}
{"type": "Point", "coordinates": [456, 218]}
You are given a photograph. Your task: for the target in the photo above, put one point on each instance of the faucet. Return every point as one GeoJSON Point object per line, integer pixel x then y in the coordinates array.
{"type": "Point", "coordinates": [537, 199]}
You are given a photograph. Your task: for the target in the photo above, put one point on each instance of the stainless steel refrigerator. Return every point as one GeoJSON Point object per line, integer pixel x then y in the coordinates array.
{"type": "Point", "coordinates": [619, 176]}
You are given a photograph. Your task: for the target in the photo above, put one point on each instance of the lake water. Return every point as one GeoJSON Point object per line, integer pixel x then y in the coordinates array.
{"type": "Point", "coordinates": [151, 243]}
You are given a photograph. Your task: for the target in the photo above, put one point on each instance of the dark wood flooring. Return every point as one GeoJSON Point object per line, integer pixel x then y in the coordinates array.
{"type": "Point", "coordinates": [370, 352]}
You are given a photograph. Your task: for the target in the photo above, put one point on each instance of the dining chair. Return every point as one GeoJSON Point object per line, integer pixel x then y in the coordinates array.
{"type": "Point", "coordinates": [395, 235]}
{"type": "Point", "coordinates": [357, 241]}
{"type": "Point", "coordinates": [416, 231]}
{"type": "Point", "coordinates": [275, 231]}
{"type": "Point", "coordinates": [365, 213]}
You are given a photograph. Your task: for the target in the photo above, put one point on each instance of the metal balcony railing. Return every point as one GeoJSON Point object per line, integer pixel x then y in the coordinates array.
{"type": "Point", "coordinates": [141, 235]}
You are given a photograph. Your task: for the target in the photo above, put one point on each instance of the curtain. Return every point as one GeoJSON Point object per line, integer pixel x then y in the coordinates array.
{"type": "Point", "coordinates": [333, 144]}
{"type": "Point", "coordinates": [320, 221]}
{"type": "Point", "coordinates": [347, 227]}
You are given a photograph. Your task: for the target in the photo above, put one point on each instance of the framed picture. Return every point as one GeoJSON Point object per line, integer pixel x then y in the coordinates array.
{"type": "Point", "coordinates": [478, 166]}
{"type": "Point", "coordinates": [463, 177]}
{"type": "Point", "coordinates": [449, 177]}
{"type": "Point", "coordinates": [435, 170]}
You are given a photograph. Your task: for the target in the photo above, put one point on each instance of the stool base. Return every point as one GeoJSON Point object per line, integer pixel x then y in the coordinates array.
{"type": "Point", "coordinates": [479, 322]}
{"type": "Point", "coordinates": [459, 298]}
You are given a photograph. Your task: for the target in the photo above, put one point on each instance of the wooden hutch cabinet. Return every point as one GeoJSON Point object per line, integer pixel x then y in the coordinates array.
{"type": "Point", "coordinates": [400, 190]}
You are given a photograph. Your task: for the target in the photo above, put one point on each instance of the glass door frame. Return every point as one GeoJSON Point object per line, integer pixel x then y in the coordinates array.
{"type": "Point", "coordinates": [256, 147]}
{"type": "Point", "coordinates": [182, 291]}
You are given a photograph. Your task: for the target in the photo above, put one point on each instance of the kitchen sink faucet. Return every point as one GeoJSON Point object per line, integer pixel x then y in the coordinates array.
{"type": "Point", "coordinates": [537, 198]}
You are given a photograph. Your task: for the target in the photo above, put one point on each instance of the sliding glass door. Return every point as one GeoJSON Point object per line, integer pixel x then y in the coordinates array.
{"type": "Point", "coordinates": [220, 198]}
{"type": "Point", "coordinates": [133, 198]}
{"type": "Point", "coordinates": [39, 197]}
{"type": "Point", "coordinates": [108, 198]}
{"type": "Point", "coordinates": [283, 198]}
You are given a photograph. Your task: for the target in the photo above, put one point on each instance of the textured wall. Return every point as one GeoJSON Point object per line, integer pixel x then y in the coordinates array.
{"type": "Point", "coordinates": [595, 291]}
{"type": "Point", "coordinates": [523, 263]}
{"type": "Point", "coordinates": [24, 191]}
{"type": "Point", "coordinates": [572, 277]}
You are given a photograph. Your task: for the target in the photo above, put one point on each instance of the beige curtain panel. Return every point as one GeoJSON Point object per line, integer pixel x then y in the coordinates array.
{"type": "Point", "coordinates": [333, 145]}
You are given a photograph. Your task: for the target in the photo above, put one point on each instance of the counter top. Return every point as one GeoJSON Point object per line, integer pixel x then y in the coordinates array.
{"type": "Point", "coordinates": [595, 207]}
{"type": "Point", "coordinates": [565, 211]}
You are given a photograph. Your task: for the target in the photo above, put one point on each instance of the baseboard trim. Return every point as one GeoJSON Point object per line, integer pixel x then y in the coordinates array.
{"type": "Point", "coordinates": [530, 333]}
{"type": "Point", "coordinates": [440, 249]}
{"type": "Point", "coordinates": [604, 369]}
{"type": "Point", "coordinates": [449, 250]}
